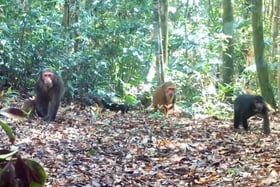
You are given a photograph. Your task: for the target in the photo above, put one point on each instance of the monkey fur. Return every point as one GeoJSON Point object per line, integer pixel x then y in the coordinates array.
{"type": "Point", "coordinates": [49, 90]}
{"type": "Point", "coordinates": [164, 97]}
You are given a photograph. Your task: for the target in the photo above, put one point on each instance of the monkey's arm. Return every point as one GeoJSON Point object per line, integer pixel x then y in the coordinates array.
{"type": "Point", "coordinates": [41, 105]}
{"type": "Point", "coordinates": [52, 110]}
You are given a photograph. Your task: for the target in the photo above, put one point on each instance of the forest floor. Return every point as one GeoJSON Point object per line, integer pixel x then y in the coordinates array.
{"type": "Point", "coordinates": [136, 149]}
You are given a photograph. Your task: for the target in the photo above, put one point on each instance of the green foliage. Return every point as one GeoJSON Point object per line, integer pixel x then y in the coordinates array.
{"type": "Point", "coordinates": [130, 99]}
{"type": "Point", "coordinates": [8, 131]}
{"type": "Point", "coordinates": [116, 46]}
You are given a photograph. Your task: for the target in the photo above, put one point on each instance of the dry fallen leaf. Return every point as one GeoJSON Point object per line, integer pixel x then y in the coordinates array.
{"type": "Point", "coordinates": [86, 147]}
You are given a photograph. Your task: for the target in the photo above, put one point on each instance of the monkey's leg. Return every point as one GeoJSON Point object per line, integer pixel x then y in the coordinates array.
{"type": "Point", "coordinates": [41, 107]}
{"type": "Point", "coordinates": [245, 123]}
{"type": "Point", "coordinates": [236, 121]}
{"type": "Point", "coordinates": [52, 110]}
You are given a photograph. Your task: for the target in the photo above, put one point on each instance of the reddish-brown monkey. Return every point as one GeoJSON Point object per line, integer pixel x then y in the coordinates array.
{"type": "Point", "coordinates": [164, 97]}
{"type": "Point", "coordinates": [49, 90]}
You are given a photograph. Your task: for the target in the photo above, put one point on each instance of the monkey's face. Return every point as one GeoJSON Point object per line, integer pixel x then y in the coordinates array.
{"type": "Point", "coordinates": [170, 92]}
{"type": "Point", "coordinates": [48, 78]}
{"type": "Point", "coordinates": [258, 106]}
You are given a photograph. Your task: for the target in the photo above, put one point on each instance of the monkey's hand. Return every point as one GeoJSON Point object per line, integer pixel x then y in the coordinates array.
{"type": "Point", "coordinates": [169, 106]}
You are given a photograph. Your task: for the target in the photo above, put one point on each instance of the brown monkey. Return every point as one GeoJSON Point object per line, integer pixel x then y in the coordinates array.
{"type": "Point", "coordinates": [49, 90]}
{"type": "Point", "coordinates": [164, 97]}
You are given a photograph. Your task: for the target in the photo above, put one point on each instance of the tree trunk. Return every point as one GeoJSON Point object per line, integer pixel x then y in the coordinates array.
{"type": "Point", "coordinates": [227, 68]}
{"type": "Point", "coordinates": [66, 15]}
{"type": "Point", "coordinates": [158, 43]}
{"type": "Point", "coordinates": [164, 29]}
{"type": "Point", "coordinates": [275, 49]}
{"type": "Point", "coordinates": [262, 70]}
{"type": "Point", "coordinates": [76, 30]}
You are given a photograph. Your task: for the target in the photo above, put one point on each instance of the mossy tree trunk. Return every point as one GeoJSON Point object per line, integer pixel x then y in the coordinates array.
{"type": "Point", "coordinates": [276, 48]}
{"type": "Point", "coordinates": [227, 68]}
{"type": "Point", "coordinates": [262, 69]}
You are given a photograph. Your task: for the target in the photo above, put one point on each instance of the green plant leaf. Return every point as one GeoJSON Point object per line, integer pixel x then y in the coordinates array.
{"type": "Point", "coordinates": [7, 155]}
{"type": "Point", "coordinates": [39, 176]}
{"type": "Point", "coordinates": [8, 131]}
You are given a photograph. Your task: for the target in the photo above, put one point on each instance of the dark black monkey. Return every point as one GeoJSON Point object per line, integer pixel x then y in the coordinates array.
{"type": "Point", "coordinates": [49, 90]}
{"type": "Point", "coordinates": [123, 107]}
{"type": "Point", "coordinates": [246, 106]}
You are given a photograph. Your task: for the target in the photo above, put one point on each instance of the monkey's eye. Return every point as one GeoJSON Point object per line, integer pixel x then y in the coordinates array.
{"type": "Point", "coordinates": [47, 75]}
{"type": "Point", "coordinates": [170, 90]}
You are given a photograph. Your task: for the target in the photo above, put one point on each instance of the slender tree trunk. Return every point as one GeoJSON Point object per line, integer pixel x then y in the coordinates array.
{"type": "Point", "coordinates": [158, 42]}
{"type": "Point", "coordinates": [66, 15]}
{"type": "Point", "coordinates": [66, 24]}
{"type": "Point", "coordinates": [227, 68]}
{"type": "Point", "coordinates": [275, 49]}
{"type": "Point", "coordinates": [261, 65]}
{"type": "Point", "coordinates": [25, 5]}
{"type": "Point", "coordinates": [76, 31]}
{"type": "Point", "coordinates": [164, 29]}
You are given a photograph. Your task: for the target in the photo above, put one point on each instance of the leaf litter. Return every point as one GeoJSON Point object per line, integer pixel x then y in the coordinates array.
{"type": "Point", "coordinates": [85, 148]}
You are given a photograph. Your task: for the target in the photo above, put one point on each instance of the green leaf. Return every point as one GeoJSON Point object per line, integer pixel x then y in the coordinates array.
{"type": "Point", "coordinates": [130, 99]}
{"type": "Point", "coordinates": [5, 156]}
{"type": "Point", "coordinates": [8, 131]}
{"type": "Point", "coordinates": [39, 176]}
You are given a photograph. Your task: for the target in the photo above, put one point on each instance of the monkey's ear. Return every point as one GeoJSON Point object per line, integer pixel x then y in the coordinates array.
{"type": "Point", "coordinates": [14, 113]}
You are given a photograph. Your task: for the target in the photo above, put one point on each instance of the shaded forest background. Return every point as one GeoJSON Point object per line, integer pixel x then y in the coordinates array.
{"type": "Point", "coordinates": [109, 46]}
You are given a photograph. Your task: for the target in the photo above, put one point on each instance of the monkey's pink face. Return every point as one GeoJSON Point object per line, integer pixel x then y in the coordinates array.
{"type": "Point", "coordinates": [170, 91]}
{"type": "Point", "coordinates": [48, 79]}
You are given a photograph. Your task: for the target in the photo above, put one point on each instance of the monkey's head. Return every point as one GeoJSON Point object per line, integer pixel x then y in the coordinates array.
{"type": "Point", "coordinates": [259, 104]}
{"type": "Point", "coordinates": [48, 78]}
{"type": "Point", "coordinates": [170, 91]}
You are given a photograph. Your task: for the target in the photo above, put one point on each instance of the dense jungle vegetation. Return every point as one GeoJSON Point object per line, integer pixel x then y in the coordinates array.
{"type": "Point", "coordinates": [113, 54]}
